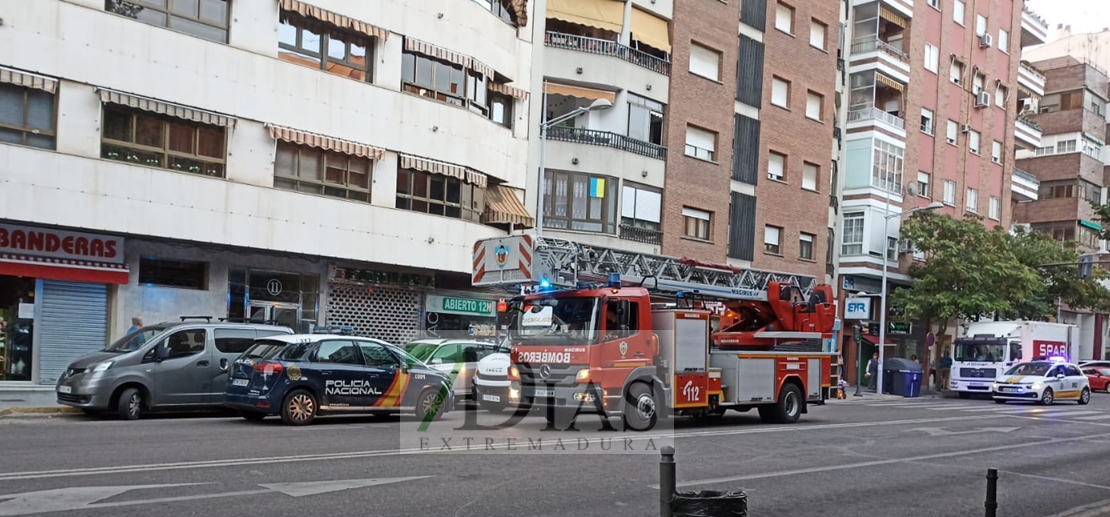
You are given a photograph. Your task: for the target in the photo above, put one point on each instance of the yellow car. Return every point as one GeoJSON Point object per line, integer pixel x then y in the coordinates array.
{"type": "Point", "coordinates": [1043, 382]}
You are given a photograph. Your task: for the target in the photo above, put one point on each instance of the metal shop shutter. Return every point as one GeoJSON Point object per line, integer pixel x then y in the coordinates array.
{"type": "Point", "coordinates": [74, 322]}
{"type": "Point", "coordinates": [389, 314]}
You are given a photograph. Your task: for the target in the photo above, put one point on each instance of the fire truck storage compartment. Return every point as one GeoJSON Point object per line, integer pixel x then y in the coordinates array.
{"type": "Point", "coordinates": [752, 380]}
{"type": "Point", "coordinates": [683, 341]}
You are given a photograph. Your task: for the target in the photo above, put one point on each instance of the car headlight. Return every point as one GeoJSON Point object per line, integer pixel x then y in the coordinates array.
{"type": "Point", "coordinates": [1037, 385]}
{"type": "Point", "coordinates": [100, 367]}
{"type": "Point", "coordinates": [994, 386]}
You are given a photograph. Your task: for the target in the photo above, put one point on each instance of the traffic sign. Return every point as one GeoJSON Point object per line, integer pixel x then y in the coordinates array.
{"type": "Point", "coordinates": [930, 339]}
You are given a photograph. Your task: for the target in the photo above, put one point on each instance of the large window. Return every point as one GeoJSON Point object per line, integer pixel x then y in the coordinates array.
{"type": "Point", "coordinates": [436, 194]}
{"type": "Point", "coordinates": [206, 19]}
{"type": "Point", "coordinates": [315, 171]}
{"type": "Point", "coordinates": [853, 234]}
{"type": "Point", "coordinates": [26, 116]}
{"type": "Point", "coordinates": [444, 81]}
{"type": "Point", "coordinates": [144, 138]}
{"type": "Point", "coordinates": [645, 119]}
{"type": "Point", "coordinates": [641, 206]}
{"type": "Point", "coordinates": [173, 273]}
{"type": "Point", "coordinates": [581, 202]}
{"type": "Point", "coordinates": [326, 47]}
{"type": "Point", "coordinates": [886, 172]}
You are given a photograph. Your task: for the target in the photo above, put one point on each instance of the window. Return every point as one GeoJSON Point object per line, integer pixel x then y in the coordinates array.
{"type": "Point", "coordinates": [956, 72]}
{"type": "Point", "coordinates": [154, 272]}
{"type": "Point", "coordinates": [776, 166]}
{"type": "Point", "coordinates": [771, 236]}
{"type": "Point", "coordinates": [951, 132]}
{"type": "Point", "coordinates": [932, 58]}
{"type": "Point", "coordinates": [886, 171]}
{"type": "Point", "coordinates": [701, 144]}
{"type": "Point", "coordinates": [853, 234]}
{"type": "Point", "coordinates": [1003, 40]}
{"type": "Point", "coordinates": [445, 82]}
{"type": "Point", "coordinates": [814, 104]}
{"type": "Point", "coordinates": [780, 92]}
{"type": "Point", "coordinates": [501, 109]}
{"type": "Point", "coordinates": [436, 194]}
{"type": "Point", "coordinates": [949, 192]}
{"type": "Point", "coordinates": [980, 25]}
{"type": "Point", "coordinates": [996, 209]}
{"type": "Point", "coordinates": [958, 12]}
{"type": "Point", "coordinates": [996, 151]}
{"type": "Point", "coordinates": [817, 33]}
{"type": "Point", "coordinates": [144, 138]}
{"type": "Point", "coordinates": [784, 18]}
{"type": "Point", "coordinates": [376, 356]}
{"type": "Point", "coordinates": [26, 116]}
{"type": "Point", "coordinates": [927, 120]}
{"type": "Point", "coordinates": [326, 47]}
{"type": "Point", "coordinates": [206, 19]}
{"type": "Point", "coordinates": [977, 83]}
{"type": "Point", "coordinates": [923, 184]}
{"type": "Point", "coordinates": [809, 176]}
{"type": "Point", "coordinates": [705, 62]}
{"type": "Point", "coordinates": [500, 9]}
{"type": "Point", "coordinates": [233, 341]}
{"type": "Point", "coordinates": [933, 3]}
{"type": "Point", "coordinates": [973, 142]}
{"type": "Point", "coordinates": [338, 351]}
{"type": "Point", "coordinates": [805, 246]}
{"type": "Point", "coordinates": [184, 343]}
{"type": "Point", "coordinates": [1066, 146]}
{"type": "Point", "coordinates": [696, 223]}
{"type": "Point", "coordinates": [580, 202]}
{"type": "Point", "coordinates": [315, 171]}
{"type": "Point", "coordinates": [641, 207]}
{"type": "Point", "coordinates": [645, 119]}
{"type": "Point", "coordinates": [1001, 93]}
{"type": "Point", "coordinates": [972, 200]}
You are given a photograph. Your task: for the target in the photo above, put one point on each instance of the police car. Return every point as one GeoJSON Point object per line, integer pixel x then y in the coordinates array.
{"type": "Point", "coordinates": [1042, 381]}
{"type": "Point", "coordinates": [300, 377]}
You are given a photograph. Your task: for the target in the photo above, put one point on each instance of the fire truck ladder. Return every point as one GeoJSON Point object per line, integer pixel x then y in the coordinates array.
{"type": "Point", "coordinates": [567, 263]}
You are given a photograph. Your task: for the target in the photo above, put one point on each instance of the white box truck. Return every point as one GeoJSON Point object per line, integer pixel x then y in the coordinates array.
{"type": "Point", "coordinates": [989, 348]}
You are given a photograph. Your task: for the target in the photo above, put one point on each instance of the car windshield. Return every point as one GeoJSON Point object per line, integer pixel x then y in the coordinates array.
{"type": "Point", "coordinates": [980, 352]}
{"type": "Point", "coordinates": [409, 359]}
{"type": "Point", "coordinates": [421, 351]}
{"type": "Point", "coordinates": [135, 340]}
{"type": "Point", "coordinates": [570, 321]}
{"type": "Point", "coordinates": [1029, 369]}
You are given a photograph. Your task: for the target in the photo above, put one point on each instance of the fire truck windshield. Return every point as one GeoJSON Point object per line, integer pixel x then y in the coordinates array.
{"type": "Point", "coordinates": [569, 321]}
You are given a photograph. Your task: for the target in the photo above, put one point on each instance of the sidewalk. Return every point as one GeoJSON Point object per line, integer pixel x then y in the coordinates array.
{"type": "Point", "coordinates": [31, 400]}
{"type": "Point", "coordinates": [871, 396]}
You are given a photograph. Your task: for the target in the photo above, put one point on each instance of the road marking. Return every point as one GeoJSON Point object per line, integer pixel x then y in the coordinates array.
{"type": "Point", "coordinates": [1069, 413]}
{"type": "Point", "coordinates": [936, 431]}
{"type": "Point", "coordinates": [865, 464]}
{"type": "Point", "coordinates": [1096, 417]}
{"type": "Point", "coordinates": [122, 469]}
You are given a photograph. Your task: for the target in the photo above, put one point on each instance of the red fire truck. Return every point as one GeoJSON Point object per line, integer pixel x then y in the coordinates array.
{"type": "Point", "coordinates": [598, 330]}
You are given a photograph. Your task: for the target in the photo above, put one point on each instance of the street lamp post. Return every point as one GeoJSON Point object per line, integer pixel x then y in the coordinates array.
{"type": "Point", "coordinates": [597, 105]}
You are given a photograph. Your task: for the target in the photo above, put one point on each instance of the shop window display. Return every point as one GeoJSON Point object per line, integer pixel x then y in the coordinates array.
{"type": "Point", "coordinates": [17, 302]}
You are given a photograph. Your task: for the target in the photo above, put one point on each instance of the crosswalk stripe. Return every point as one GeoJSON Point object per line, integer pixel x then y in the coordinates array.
{"type": "Point", "coordinates": [1063, 413]}
{"type": "Point", "coordinates": [1096, 417]}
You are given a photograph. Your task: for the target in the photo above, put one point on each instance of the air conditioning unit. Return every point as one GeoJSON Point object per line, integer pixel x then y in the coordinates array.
{"type": "Point", "coordinates": [982, 100]}
{"type": "Point", "coordinates": [985, 40]}
{"type": "Point", "coordinates": [966, 128]}
{"type": "Point", "coordinates": [1029, 106]}
{"type": "Point", "coordinates": [905, 246]}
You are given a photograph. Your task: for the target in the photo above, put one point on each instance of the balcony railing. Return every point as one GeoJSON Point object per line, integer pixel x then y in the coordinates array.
{"type": "Point", "coordinates": [873, 44]}
{"type": "Point", "coordinates": [872, 113]}
{"type": "Point", "coordinates": [1033, 71]}
{"type": "Point", "coordinates": [607, 139]}
{"type": "Point", "coordinates": [644, 235]}
{"type": "Point", "coordinates": [608, 48]}
{"type": "Point", "coordinates": [1029, 122]}
{"type": "Point", "coordinates": [1020, 174]}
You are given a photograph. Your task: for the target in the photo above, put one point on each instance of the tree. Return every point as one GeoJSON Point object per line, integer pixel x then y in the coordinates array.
{"type": "Point", "coordinates": [1057, 263]}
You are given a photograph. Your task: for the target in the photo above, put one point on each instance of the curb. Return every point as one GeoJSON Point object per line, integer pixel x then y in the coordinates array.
{"type": "Point", "coordinates": [19, 411]}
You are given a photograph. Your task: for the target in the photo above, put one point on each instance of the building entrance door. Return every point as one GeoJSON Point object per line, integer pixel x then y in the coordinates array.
{"type": "Point", "coordinates": [275, 313]}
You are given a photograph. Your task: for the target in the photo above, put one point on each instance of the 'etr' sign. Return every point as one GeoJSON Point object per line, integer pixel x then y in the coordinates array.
{"type": "Point", "coordinates": [857, 308]}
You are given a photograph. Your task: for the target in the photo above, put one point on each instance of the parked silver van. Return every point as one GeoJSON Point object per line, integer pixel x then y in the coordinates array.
{"type": "Point", "coordinates": [173, 365]}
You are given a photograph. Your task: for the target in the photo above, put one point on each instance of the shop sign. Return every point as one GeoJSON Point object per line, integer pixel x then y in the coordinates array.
{"type": "Point", "coordinates": [41, 242]}
{"type": "Point", "coordinates": [384, 278]}
{"type": "Point", "coordinates": [899, 328]}
{"type": "Point", "coordinates": [466, 306]}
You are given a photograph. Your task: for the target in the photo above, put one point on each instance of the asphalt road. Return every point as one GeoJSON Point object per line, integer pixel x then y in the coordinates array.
{"type": "Point", "coordinates": [919, 457]}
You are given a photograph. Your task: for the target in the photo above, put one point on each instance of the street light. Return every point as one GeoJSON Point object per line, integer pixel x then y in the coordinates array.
{"type": "Point", "coordinates": [882, 299]}
{"type": "Point", "coordinates": [597, 105]}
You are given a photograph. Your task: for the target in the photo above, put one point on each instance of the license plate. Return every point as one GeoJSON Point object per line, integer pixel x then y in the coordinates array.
{"type": "Point", "coordinates": [65, 389]}
{"type": "Point", "coordinates": [545, 393]}
{"type": "Point", "coordinates": [491, 398]}
{"type": "Point", "coordinates": [977, 385]}
{"type": "Point", "coordinates": [238, 382]}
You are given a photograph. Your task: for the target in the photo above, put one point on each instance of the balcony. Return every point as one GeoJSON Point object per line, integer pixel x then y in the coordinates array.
{"type": "Point", "coordinates": [1034, 29]}
{"type": "Point", "coordinates": [1031, 78]}
{"type": "Point", "coordinates": [644, 235]}
{"type": "Point", "coordinates": [608, 48]}
{"type": "Point", "coordinates": [607, 139]}
{"type": "Point", "coordinates": [1027, 132]}
{"type": "Point", "coordinates": [873, 114]}
{"type": "Point", "coordinates": [1024, 186]}
{"type": "Point", "coordinates": [904, 7]}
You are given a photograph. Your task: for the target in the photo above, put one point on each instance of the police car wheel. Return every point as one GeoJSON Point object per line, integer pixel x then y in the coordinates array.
{"type": "Point", "coordinates": [299, 408]}
{"type": "Point", "coordinates": [1084, 397]}
{"type": "Point", "coordinates": [1047, 397]}
{"type": "Point", "coordinates": [430, 402]}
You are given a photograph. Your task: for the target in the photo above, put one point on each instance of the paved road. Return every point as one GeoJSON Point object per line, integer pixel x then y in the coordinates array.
{"type": "Point", "coordinates": [920, 457]}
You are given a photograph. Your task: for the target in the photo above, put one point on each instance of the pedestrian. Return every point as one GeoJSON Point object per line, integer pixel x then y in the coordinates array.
{"type": "Point", "coordinates": [136, 324]}
{"type": "Point", "coordinates": [945, 371]}
{"type": "Point", "coordinates": [873, 371]}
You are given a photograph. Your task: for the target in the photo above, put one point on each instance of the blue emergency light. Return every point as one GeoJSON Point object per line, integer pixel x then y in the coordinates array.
{"type": "Point", "coordinates": [614, 280]}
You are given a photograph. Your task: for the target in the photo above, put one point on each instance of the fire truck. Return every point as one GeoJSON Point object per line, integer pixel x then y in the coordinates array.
{"type": "Point", "coordinates": [597, 330]}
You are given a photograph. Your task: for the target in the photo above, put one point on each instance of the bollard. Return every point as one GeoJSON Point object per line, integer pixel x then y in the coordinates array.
{"type": "Point", "coordinates": [991, 504]}
{"type": "Point", "coordinates": [666, 480]}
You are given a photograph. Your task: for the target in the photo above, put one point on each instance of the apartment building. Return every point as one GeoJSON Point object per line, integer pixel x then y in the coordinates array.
{"type": "Point", "coordinates": [935, 100]}
{"type": "Point", "coordinates": [301, 162]}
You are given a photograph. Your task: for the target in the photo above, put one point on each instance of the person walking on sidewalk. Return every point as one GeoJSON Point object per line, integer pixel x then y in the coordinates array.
{"type": "Point", "coordinates": [872, 371]}
{"type": "Point", "coordinates": [945, 371]}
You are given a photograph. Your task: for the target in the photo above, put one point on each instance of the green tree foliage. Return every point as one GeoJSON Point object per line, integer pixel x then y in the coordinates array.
{"type": "Point", "coordinates": [1049, 256]}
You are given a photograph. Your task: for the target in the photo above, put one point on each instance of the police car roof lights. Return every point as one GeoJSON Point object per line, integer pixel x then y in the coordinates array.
{"type": "Point", "coordinates": [1057, 359]}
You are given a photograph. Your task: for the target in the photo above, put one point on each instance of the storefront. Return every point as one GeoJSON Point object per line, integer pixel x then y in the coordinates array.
{"type": "Point", "coordinates": [274, 298]}
{"type": "Point", "coordinates": [380, 304]}
{"type": "Point", "coordinates": [53, 298]}
{"type": "Point", "coordinates": [451, 314]}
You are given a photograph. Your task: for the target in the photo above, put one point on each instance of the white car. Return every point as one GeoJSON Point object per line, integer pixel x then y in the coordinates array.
{"type": "Point", "coordinates": [495, 385]}
{"type": "Point", "coordinates": [455, 357]}
{"type": "Point", "coordinates": [1043, 382]}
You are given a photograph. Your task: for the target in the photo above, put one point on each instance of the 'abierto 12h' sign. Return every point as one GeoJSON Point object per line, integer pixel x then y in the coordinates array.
{"type": "Point", "coordinates": [857, 308]}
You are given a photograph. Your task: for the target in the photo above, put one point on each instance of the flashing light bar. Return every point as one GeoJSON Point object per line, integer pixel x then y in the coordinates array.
{"type": "Point", "coordinates": [1057, 358]}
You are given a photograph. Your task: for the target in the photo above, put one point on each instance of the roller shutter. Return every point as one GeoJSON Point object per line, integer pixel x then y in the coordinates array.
{"type": "Point", "coordinates": [73, 322]}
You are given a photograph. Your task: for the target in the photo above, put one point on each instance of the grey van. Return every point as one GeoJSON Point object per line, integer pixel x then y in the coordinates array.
{"type": "Point", "coordinates": [173, 365]}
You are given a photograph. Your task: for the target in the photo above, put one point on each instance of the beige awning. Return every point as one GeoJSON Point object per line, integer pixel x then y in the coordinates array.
{"type": "Point", "coordinates": [423, 47]}
{"type": "Point", "coordinates": [29, 80]}
{"type": "Point", "coordinates": [650, 30]}
{"type": "Point", "coordinates": [504, 207]}
{"type": "Point", "coordinates": [520, 8]}
{"type": "Point", "coordinates": [165, 108]}
{"type": "Point", "coordinates": [508, 90]}
{"type": "Point", "coordinates": [466, 174]}
{"type": "Point", "coordinates": [327, 143]}
{"type": "Point", "coordinates": [888, 81]}
{"type": "Point", "coordinates": [887, 14]}
{"type": "Point", "coordinates": [580, 92]}
{"type": "Point", "coordinates": [603, 14]}
{"type": "Point", "coordinates": [311, 11]}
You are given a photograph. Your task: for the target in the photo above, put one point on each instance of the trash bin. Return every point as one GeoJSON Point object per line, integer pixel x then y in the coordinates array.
{"type": "Point", "coordinates": [902, 377]}
{"type": "Point", "coordinates": [710, 503]}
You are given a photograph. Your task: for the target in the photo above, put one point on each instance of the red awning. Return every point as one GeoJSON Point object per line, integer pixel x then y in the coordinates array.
{"type": "Point", "coordinates": [63, 269]}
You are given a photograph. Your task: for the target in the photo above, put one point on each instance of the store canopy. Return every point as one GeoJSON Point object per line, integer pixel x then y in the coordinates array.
{"type": "Point", "coordinates": [27, 79]}
{"type": "Point", "coordinates": [63, 269]}
{"type": "Point", "coordinates": [327, 143]}
{"type": "Point", "coordinates": [580, 92]}
{"type": "Point", "coordinates": [650, 30]}
{"type": "Point", "coordinates": [504, 207]}
{"type": "Point", "coordinates": [165, 108]}
{"type": "Point", "coordinates": [1094, 226]}
{"type": "Point", "coordinates": [603, 14]}
{"type": "Point", "coordinates": [311, 11]}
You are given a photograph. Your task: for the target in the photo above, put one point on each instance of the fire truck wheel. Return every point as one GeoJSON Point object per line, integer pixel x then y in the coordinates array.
{"type": "Point", "coordinates": [789, 408]}
{"type": "Point", "coordinates": [640, 410]}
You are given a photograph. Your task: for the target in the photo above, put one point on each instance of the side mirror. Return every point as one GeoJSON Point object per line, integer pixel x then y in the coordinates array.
{"type": "Point", "coordinates": [436, 361]}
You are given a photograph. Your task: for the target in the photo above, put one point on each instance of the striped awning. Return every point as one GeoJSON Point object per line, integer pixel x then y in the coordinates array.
{"type": "Point", "coordinates": [327, 143]}
{"type": "Point", "coordinates": [466, 174]}
{"type": "Point", "coordinates": [423, 47]}
{"type": "Point", "coordinates": [520, 8]}
{"type": "Point", "coordinates": [508, 90]}
{"type": "Point", "coordinates": [165, 108]}
{"type": "Point", "coordinates": [27, 79]}
{"type": "Point", "coordinates": [311, 11]}
{"type": "Point", "coordinates": [888, 81]}
{"type": "Point", "coordinates": [889, 15]}
{"type": "Point", "coordinates": [504, 207]}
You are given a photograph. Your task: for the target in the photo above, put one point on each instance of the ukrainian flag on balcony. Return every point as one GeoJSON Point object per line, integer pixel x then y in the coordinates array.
{"type": "Point", "coordinates": [597, 187]}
